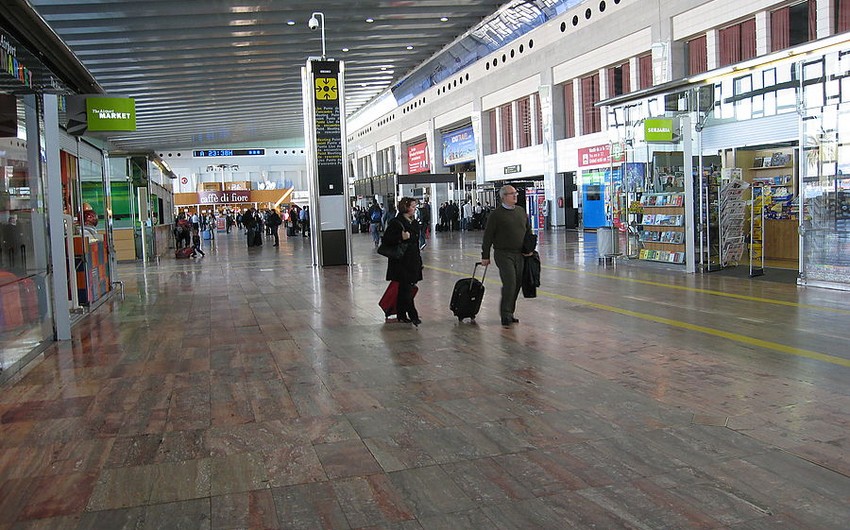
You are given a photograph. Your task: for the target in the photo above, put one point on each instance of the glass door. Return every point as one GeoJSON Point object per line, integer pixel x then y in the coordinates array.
{"type": "Point", "coordinates": [825, 171]}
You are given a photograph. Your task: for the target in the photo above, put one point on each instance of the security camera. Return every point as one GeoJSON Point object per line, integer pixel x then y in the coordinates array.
{"type": "Point", "coordinates": [313, 23]}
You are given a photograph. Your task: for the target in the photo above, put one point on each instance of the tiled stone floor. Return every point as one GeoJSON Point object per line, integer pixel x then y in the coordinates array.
{"type": "Point", "coordinates": [248, 389]}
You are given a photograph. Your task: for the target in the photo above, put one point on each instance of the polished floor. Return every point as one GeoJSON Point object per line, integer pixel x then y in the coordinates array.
{"type": "Point", "coordinates": [248, 389]}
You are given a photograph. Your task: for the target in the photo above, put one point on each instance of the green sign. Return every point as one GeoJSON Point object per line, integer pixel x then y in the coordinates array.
{"type": "Point", "coordinates": [658, 129]}
{"type": "Point", "coordinates": [110, 114]}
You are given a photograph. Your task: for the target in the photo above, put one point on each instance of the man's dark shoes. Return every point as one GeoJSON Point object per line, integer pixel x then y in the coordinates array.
{"type": "Point", "coordinates": [508, 321]}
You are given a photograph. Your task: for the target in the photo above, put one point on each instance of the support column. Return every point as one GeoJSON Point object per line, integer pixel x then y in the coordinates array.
{"type": "Point", "coordinates": [56, 229]}
{"type": "Point", "coordinates": [546, 93]}
{"type": "Point", "coordinates": [324, 124]}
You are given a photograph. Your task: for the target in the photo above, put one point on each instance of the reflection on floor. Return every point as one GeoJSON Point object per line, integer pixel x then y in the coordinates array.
{"type": "Point", "coordinates": [248, 389]}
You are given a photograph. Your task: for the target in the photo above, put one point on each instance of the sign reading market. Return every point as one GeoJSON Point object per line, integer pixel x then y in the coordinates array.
{"type": "Point", "coordinates": [110, 114]}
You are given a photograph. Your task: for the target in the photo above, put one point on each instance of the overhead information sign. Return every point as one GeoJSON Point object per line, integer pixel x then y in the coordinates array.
{"type": "Point", "coordinates": [206, 153]}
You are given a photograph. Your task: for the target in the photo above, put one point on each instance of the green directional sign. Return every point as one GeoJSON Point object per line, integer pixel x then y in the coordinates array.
{"type": "Point", "coordinates": [110, 114]}
{"type": "Point", "coordinates": [658, 129]}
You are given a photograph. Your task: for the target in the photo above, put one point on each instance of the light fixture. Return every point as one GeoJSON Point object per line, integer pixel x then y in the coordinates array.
{"type": "Point", "coordinates": [410, 47]}
{"type": "Point", "coordinates": [314, 24]}
{"type": "Point", "coordinates": [290, 22]}
{"type": "Point", "coordinates": [370, 20]}
{"type": "Point", "coordinates": [345, 49]}
{"type": "Point", "coordinates": [444, 19]}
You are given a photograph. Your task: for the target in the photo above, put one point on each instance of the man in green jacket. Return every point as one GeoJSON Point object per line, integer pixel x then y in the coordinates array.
{"type": "Point", "coordinates": [506, 229]}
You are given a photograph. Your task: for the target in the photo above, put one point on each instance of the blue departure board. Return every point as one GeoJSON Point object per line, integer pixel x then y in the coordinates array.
{"type": "Point", "coordinates": [206, 153]}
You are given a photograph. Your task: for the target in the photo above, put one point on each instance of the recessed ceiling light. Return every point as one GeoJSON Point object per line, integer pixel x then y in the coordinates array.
{"type": "Point", "coordinates": [370, 20]}
{"type": "Point", "coordinates": [444, 19]}
{"type": "Point", "coordinates": [345, 49]}
{"type": "Point", "coordinates": [410, 47]}
{"type": "Point", "coordinates": [290, 22]}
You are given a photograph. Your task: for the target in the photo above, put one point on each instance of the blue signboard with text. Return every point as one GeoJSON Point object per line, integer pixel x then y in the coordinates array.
{"type": "Point", "coordinates": [458, 146]}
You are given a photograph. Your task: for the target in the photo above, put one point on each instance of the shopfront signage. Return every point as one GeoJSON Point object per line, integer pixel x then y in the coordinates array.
{"type": "Point", "coordinates": [10, 64]}
{"type": "Point", "coordinates": [110, 114]}
{"type": "Point", "coordinates": [597, 155]}
{"type": "Point", "coordinates": [658, 130]}
{"type": "Point", "coordinates": [417, 158]}
{"type": "Point", "coordinates": [224, 197]}
{"type": "Point", "coordinates": [459, 146]}
{"type": "Point", "coordinates": [510, 170]}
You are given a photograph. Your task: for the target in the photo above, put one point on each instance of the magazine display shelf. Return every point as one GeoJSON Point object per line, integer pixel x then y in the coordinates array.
{"type": "Point", "coordinates": [662, 227]}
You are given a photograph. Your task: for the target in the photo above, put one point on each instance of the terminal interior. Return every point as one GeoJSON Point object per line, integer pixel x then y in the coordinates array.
{"type": "Point", "coordinates": [684, 363]}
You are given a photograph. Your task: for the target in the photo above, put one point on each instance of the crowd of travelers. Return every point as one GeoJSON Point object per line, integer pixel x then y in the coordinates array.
{"type": "Point", "coordinates": [260, 224]}
{"type": "Point", "coordinates": [406, 228]}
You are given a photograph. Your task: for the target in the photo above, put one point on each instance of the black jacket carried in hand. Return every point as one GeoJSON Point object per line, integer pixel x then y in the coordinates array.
{"type": "Point", "coordinates": [531, 275]}
{"type": "Point", "coordinates": [529, 242]}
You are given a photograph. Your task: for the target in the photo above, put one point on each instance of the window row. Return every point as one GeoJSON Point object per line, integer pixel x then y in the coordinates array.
{"type": "Point", "coordinates": [788, 26]}
{"type": "Point", "coordinates": [515, 125]}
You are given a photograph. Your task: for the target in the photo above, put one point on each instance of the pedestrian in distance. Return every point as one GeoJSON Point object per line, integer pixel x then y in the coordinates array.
{"type": "Point", "coordinates": [407, 270]}
{"type": "Point", "coordinates": [305, 221]}
{"type": "Point", "coordinates": [506, 232]}
{"type": "Point", "coordinates": [375, 223]}
{"type": "Point", "coordinates": [424, 222]}
{"type": "Point", "coordinates": [273, 223]}
{"type": "Point", "coordinates": [196, 243]}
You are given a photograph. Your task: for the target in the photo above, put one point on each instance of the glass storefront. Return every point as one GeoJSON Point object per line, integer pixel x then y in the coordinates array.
{"type": "Point", "coordinates": [25, 311]}
{"type": "Point", "coordinates": [782, 129]}
{"type": "Point", "coordinates": [825, 170]}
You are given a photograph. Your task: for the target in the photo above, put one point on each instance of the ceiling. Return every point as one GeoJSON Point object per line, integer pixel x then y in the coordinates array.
{"type": "Point", "coordinates": [225, 73]}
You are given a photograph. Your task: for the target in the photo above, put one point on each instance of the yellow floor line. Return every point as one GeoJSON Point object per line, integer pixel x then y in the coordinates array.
{"type": "Point", "coordinates": [700, 291]}
{"type": "Point", "coordinates": [799, 352]}
{"type": "Point", "coordinates": [705, 291]}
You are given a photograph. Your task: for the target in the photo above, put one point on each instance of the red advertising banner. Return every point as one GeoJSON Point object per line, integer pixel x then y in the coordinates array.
{"type": "Point", "coordinates": [597, 155]}
{"type": "Point", "coordinates": [417, 158]}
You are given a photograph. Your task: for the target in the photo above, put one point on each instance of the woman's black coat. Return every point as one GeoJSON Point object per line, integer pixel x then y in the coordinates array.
{"type": "Point", "coordinates": [408, 269]}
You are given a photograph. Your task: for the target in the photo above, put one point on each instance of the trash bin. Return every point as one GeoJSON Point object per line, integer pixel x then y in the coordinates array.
{"type": "Point", "coordinates": [607, 241]}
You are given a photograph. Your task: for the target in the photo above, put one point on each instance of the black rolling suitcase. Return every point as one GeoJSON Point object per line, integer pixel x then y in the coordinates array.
{"type": "Point", "coordinates": [467, 295]}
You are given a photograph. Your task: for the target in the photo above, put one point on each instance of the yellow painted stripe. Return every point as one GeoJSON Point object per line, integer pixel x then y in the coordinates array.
{"type": "Point", "coordinates": [705, 291]}
{"type": "Point", "coordinates": [736, 337]}
{"type": "Point", "coordinates": [700, 291]}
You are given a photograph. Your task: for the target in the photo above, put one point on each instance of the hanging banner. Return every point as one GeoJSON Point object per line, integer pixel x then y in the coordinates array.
{"type": "Point", "coordinates": [459, 146]}
{"type": "Point", "coordinates": [417, 158]}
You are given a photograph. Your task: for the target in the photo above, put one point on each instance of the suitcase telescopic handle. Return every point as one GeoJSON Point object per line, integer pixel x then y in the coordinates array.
{"type": "Point", "coordinates": [474, 270]}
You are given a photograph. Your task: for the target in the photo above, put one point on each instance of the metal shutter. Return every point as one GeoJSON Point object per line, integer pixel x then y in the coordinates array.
{"type": "Point", "coordinates": [779, 128]}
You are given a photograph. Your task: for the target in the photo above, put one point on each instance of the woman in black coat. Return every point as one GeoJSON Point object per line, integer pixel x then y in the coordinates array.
{"type": "Point", "coordinates": [407, 270]}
